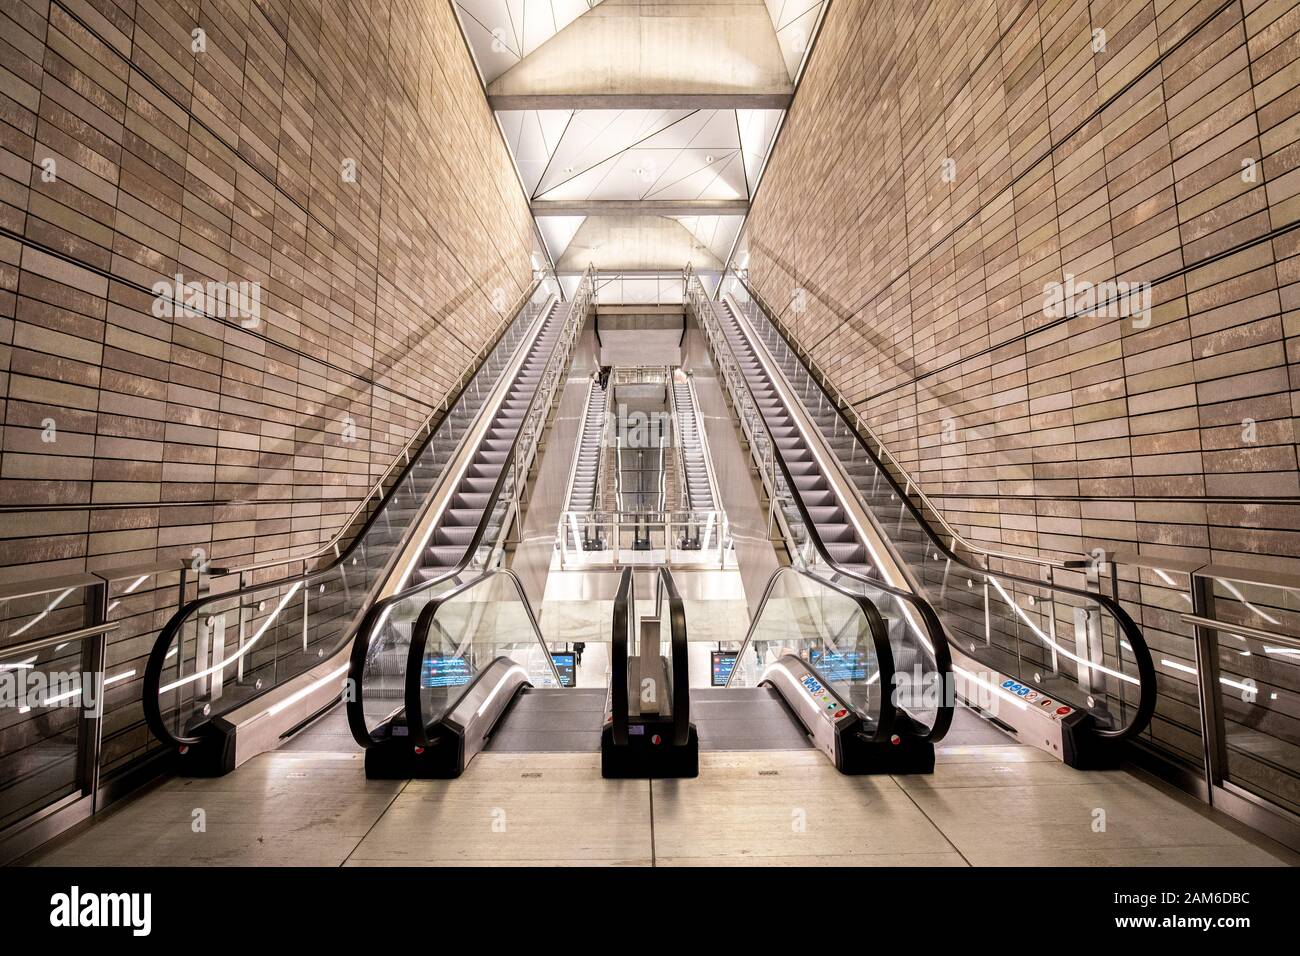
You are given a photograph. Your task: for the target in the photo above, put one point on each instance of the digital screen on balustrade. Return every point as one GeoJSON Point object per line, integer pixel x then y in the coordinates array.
{"type": "Point", "coordinates": [724, 662]}
{"type": "Point", "coordinates": [840, 665]}
{"type": "Point", "coordinates": [566, 663]}
{"type": "Point", "coordinates": [440, 671]}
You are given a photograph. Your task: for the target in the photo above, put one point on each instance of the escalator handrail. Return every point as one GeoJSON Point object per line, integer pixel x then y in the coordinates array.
{"type": "Point", "coordinates": [1141, 652]}
{"type": "Point", "coordinates": [879, 639]}
{"type": "Point", "coordinates": [681, 671]}
{"type": "Point", "coordinates": [416, 722]}
{"type": "Point", "coordinates": [938, 639]}
{"type": "Point", "coordinates": [379, 609]}
{"type": "Point", "coordinates": [624, 600]}
{"type": "Point", "coordinates": [823, 382]}
{"type": "Point", "coordinates": [158, 654]}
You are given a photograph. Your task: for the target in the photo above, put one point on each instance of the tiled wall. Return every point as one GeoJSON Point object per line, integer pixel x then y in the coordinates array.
{"type": "Point", "coordinates": [129, 438]}
{"type": "Point", "coordinates": [1166, 155]}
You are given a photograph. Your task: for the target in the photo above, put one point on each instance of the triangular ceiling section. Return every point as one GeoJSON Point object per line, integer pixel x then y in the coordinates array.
{"type": "Point", "coordinates": [794, 22]}
{"type": "Point", "coordinates": [503, 32]}
{"type": "Point", "coordinates": [533, 136]}
{"type": "Point", "coordinates": [716, 233]}
{"type": "Point", "coordinates": [639, 122]}
{"type": "Point", "coordinates": [558, 232]}
{"type": "Point", "coordinates": [670, 47]}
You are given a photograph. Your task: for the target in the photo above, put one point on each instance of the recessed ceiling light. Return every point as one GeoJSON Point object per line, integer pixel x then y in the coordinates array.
{"type": "Point", "coordinates": [708, 159]}
{"type": "Point", "coordinates": [568, 169]}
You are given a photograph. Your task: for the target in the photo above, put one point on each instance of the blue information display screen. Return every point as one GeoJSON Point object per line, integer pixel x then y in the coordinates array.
{"type": "Point", "coordinates": [724, 662]}
{"type": "Point", "coordinates": [840, 665]}
{"type": "Point", "coordinates": [444, 672]}
{"type": "Point", "coordinates": [566, 664]}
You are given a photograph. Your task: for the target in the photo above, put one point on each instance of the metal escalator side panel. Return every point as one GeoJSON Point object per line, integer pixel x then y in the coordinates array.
{"type": "Point", "coordinates": [813, 702]}
{"type": "Point", "coordinates": [624, 614]}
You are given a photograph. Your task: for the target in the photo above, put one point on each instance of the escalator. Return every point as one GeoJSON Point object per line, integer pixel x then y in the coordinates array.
{"type": "Point", "coordinates": [913, 661]}
{"type": "Point", "coordinates": [1065, 669]}
{"type": "Point", "coordinates": [701, 497]}
{"type": "Point", "coordinates": [232, 673]}
{"type": "Point", "coordinates": [647, 729]}
{"type": "Point", "coordinates": [440, 657]}
{"type": "Point", "coordinates": [699, 492]}
{"type": "Point", "coordinates": [584, 480]}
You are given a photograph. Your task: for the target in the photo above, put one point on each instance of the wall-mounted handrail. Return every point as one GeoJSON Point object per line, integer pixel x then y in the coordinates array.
{"type": "Point", "coordinates": [54, 640]}
{"type": "Point", "coordinates": [1245, 630]}
{"type": "Point", "coordinates": [882, 450]}
{"type": "Point", "coordinates": [403, 456]}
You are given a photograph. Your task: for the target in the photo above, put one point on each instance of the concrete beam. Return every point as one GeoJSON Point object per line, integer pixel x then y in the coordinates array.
{"type": "Point", "coordinates": [579, 100]}
{"type": "Point", "coordinates": [635, 243]}
{"type": "Point", "coordinates": [613, 310]}
{"type": "Point", "coordinates": [632, 207]}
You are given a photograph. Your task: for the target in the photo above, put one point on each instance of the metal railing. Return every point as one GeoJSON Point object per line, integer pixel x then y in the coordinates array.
{"type": "Point", "coordinates": [1222, 710]}
{"type": "Point", "coordinates": [617, 538]}
{"type": "Point", "coordinates": [1228, 680]}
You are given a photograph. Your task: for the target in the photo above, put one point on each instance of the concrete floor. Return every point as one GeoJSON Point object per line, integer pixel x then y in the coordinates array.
{"type": "Point", "coordinates": [987, 803]}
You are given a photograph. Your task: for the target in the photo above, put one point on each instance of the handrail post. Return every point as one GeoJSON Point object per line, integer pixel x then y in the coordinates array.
{"type": "Point", "coordinates": [90, 724]}
{"type": "Point", "coordinates": [1207, 679]}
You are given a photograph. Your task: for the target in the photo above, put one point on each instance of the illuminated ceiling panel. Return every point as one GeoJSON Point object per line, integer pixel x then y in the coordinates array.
{"type": "Point", "coordinates": [685, 154]}
{"type": "Point", "coordinates": [503, 32]}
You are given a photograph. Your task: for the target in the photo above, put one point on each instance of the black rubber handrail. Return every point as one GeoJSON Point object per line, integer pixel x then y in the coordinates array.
{"type": "Point", "coordinates": [1141, 653]}
{"type": "Point", "coordinates": [938, 639]}
{"type": "Point", "coordinates": [361, 641]}
{"type": "Point", "coordinates": [417, 722]}
{"type": "Point", "coordinates": [681, 672]}
{"type": "Point", "coordinates": [623, 600]}
{"type": "Point", "coordinates": [158, 654]}
{"type": "Point", "coordinates": [884, 722]}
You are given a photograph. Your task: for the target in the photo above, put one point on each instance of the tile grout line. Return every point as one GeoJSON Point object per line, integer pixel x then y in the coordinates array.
{"type": "Point", "coordinates": [930, 820]}
{"type": "Point", "coordinates": [383, 813]}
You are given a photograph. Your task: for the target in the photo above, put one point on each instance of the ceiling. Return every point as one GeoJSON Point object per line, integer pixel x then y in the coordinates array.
{"type": "Point", "coordinates": [639, 130]}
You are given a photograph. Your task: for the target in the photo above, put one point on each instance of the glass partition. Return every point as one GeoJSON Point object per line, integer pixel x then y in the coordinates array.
{"type": "Point", "coordinates": [1258, 672]}
{"type": "Point", "coordinates": [458, 634]}
{"type": "Point", "coordinates": [913, 631]}
{"type": "Point", "coordinates": [837, 633]}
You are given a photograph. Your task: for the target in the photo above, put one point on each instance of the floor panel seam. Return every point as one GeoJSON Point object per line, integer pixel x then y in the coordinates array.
{"type": "Point", "coordinates": [931, 821]}
{"type": "Point", "coordinates": [382, 813]}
